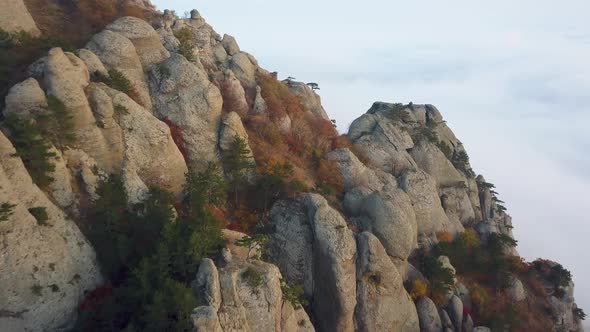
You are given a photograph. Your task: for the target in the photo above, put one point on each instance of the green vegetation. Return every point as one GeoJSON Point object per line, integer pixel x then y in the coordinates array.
{"type": "Point", "coordinates": [121, 110]}
{"type": "Point", "coordinates": [187, 42]}
{"type": "Point", "coordinates": [57, 124]}
{"type": "Point", "coordinates": [557, 276]}
{"type": "Point", "coordinates": [32, 148]}
{"type": "Point", "coordinates": [252, 242]}
{"type": "Point", "coordinates": [115, 80]}
{"type": "Point", "coordinates": [238, 161]}
{"type": "Point", "coordinates": [6, 210]}
{"type": "Point", "coordinates": [579, 314]}
{"type": "Point", "coordinates": [441, 278]}
{"type": "Point", "coordinates": [37, 289]}
{"type": "Point", "coordinates": [205, 188]}
{"type": "Point", "coordinates": [293, 294]}
{"type": "Point", "coordinates": [252, 277]}
{"type": "Point", "coordinates": [399, 113]}
{"type": "Point", "coordinates": [149, 256]}
{"type": "Point", "coordinates": [40, 214]}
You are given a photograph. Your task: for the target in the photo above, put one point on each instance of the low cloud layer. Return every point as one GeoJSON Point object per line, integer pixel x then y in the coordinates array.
{"type": "Point", "coordinates": [512, 80]}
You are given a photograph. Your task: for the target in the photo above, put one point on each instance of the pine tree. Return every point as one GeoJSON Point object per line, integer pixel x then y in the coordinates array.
{"type": "Point", "coordinates": [6, 210]}
{"type": "Point", "coordinates": [57, 124]}
{"type": "Point", "coordinates": [32, 148]}
{"type": "Point", "coordinates": [238, 161]}
{"type": "Point", "coordinates": [203, 188]}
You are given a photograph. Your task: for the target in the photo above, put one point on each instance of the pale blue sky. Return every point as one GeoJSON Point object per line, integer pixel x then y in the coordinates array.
{"type": "Point", "coordinates": [511, 78]}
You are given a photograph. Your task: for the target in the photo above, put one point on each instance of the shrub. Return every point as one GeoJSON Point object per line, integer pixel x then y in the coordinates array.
{"type": "Point", "coordinates": [57, 123]}
{"type": "Point", "coordinates": [579, 314]}
{"type": "Point", "coordinates": [293, 294]}
{"type": "Point", "coordinates": [40, 214]}
{"type": "Point", "coordinates": [32, 148]}
{"type": "Point", "coordinates": [115, 80]}
{"type": "Point", "coordinates": [418, 290]}
{"type": "Point", "coordinates": [177, 137]}
{"type": "Point", "coordinates": [328, 176]}
{"type": "Point", "coordinates": [460, 160]}
{"type": "Point", "coordinates": [187, 42]}
{"type": "Point", "coordinates": [37, 289]}
{"type": "Point", "coordinates": [479, 298]}
{"type": "Point", "coordinates": [121, 110]}
{"type": "Point", "coordinates": [470, 239]}
{"type": "Point", "coordinates": [444, 237]}
{"type": "Point", "coordinates": [6, 210]}
{"type": "Point", "coordinates": [252, 242]}
{"type": "Point", "coordinates": [252, 277]}
{"type": "Point", "coordinates": [238, 161]}
{"type": "Point", "coordinates": [205, 188]}
{"type": "Point", "coordinates": [399, 113]}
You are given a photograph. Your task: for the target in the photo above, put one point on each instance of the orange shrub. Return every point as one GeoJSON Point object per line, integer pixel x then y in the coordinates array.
{"type": "Point", "coordinates": [418, 289]}
{"type": "Point", "coordinates": [328, 174]}
{"type": "Point", "coordinates": [444, 237]}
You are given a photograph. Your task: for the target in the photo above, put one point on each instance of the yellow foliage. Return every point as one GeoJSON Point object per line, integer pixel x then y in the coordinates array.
{"type": "Point", "coordinates": [419, 289]}
{"type": "Point", "coordinates": [470, 238]}
{"type": "Point", "coordinates": [479, 297]}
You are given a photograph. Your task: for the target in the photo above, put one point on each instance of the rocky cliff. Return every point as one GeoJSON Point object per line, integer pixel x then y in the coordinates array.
{"type": "Point", "coordinates": [386, 228]}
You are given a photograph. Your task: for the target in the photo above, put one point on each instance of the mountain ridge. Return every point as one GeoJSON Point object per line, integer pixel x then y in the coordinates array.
{"type": "Point", "coordinates": [397, 185]}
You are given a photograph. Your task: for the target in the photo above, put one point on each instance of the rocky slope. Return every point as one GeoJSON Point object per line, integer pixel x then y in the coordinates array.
{"type": "Point", "coordinates": [359, 246]}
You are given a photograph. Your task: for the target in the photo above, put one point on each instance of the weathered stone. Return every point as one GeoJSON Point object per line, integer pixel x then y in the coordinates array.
{"type": "Point", "coordinates": [145, 39]}
{"type": "Point", "coordinates": [118, 52]}
{"type": "Point", "coordinates": [428, 315]}
{"type": "Point", "coordinates": [382, 302]}
{"type": "Point", "coordinates": [516, 290]}
{"type": "Point", "coordinates": [230, 45]}
{"type": "Point", "coordinates": [309, 99]}
{"type": "Point", "coordinates": [455, 311]}
{"type": "Point", "coordinates": [259, 103]}
{"type": "Point", "coordinates": [184, 97]}
{"type": "Point", "coordinates": [244, 69]}
{"type": "Point", "coordinates": [313, 246]}
{"type": "Point", "coordinates": [15, 17]}
{"type": "Point", "coordinates": [239, 252]}
{"type": "Point", "coordinates": [434, 162]}
{"type": "Point", "coordinates": [205, 319]}
{"type": "Point", "coordinates": [25, 99]}
{"type": "Point", "coordinates": [35, 257]}
{"type": "Point", "coordinates": [92, 62]}
{"type": "Point", "coordinates": [206, 285]}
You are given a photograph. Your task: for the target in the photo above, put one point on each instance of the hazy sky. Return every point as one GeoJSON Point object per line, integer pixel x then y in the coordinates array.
{"type": "Point", "coordinates": [512, 79]}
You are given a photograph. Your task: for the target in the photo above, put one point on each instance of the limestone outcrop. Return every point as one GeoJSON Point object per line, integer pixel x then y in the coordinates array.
{"type": "Point", "coordinates": [47, 265]}
{"type": "Point", "coordinates": [15, 17]}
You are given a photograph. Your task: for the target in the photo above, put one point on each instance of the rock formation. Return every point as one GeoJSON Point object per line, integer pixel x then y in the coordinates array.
{"type": "Point", "coordinates": [361, 256]}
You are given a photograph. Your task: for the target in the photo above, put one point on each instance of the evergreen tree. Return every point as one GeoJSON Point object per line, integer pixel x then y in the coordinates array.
{"type": "Point", "coordinates": [57, 124]}
{"type": "Point", "coordinates": [204, 188]}
{"type": "Point", "coordinates": [32, 148]}
{"type": "Point", "coordinates": [6, 211]}
{"type": "Point", "coordinates": [238, 161]}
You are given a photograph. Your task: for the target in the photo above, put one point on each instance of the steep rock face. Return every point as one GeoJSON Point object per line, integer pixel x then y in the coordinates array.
{"type": "Point", "coordinates": [46, 269]}
{"type": "Point", "coordinates": [150, 154]}
{"type": "Point", "coordinates": [236, 301]}
{"type": "Point", "coordinates": [428, 315]}
{"type": "Point", "coordinates": [383, 304]}
{"type": "Point", "coordinates": [184, 96]}
{"type": "Point", "coordinates": [118, 52]}
{"type": "Point", "coordinates": [326, 256]}
{"type": "Point", "coordinates": [377, 204]}
{"type": "Point", "coordinates": [15, 17]}
{"type": "Point", "coordinates": [145, 39]}
{"type": "Point", "coordinates": [308, 98]}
